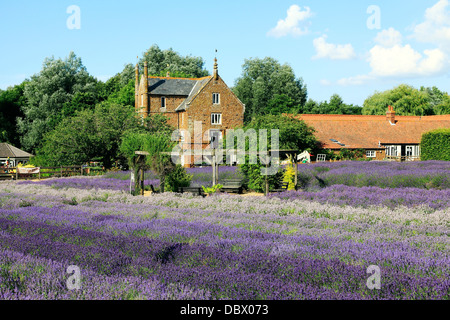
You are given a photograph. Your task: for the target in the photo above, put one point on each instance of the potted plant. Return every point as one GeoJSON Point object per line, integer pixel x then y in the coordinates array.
{"type": "Point", "coordinates": [210, 190]}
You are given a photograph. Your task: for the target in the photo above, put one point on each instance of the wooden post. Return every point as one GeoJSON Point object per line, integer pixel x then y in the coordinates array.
{"type": "Point", "coordinates": [296, 170]}
{"type": "Point", "coordinates": [142, 180]}
{"type": "Point", "coordinates": [81, 169]}
{"type": "Point", "coordinates": [17, 173]}
{"type": "Point", "coordinates": [61, 172]}
{"type": "Point", "coordinates": [267, 181]}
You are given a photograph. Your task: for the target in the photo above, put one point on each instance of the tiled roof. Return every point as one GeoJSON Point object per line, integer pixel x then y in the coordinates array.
{"type": "Point", "coordinates": [366, 131]}
{"type": "Point", "coordinates": [7, 150]}
{"type": "Point", "coordinates": [188, 87]}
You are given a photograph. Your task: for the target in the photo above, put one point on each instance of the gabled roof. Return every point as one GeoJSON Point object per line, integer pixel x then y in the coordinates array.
{"type": "Point", "coordinates": [367, 131]}
{"type": "Point", "coordinates": [166, 86]}
{"type": "Point", "coordinates": [7, 150]}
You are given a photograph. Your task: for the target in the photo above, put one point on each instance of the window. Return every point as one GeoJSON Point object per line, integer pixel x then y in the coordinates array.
{"type": "Point", "coordinates": [371, 153]}
{"type": "Point", "coordinates": [216, 98]}
{"type": "Point", "coordinates": [216, 118]}
{"type": "Point", "coordinates": [163, 102]}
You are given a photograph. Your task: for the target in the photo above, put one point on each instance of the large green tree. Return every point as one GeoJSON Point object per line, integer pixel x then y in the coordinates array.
{"type": "Point", "coordinates": [405, 99]}
{"type": "Point", "coordinates": [92, 134]}
{"type": "Point", "coordinates": [48, 92]}
{"type": "Point", "coordinates": [439, 100]}
{"type": "Point", "coordinates": [11, 101]}
{"type": "Point", "coordinates": [160, 61]}
{"type": "Point", "coordinates": [293, 135]}
{"type": "Point", "coordinates": [336, 105]}
{"type": "Point", "coordinates": [264, 83]}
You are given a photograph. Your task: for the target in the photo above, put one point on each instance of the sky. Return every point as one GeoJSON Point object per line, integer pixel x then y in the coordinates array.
{"type": "Point", "coordinates": [352, 48]}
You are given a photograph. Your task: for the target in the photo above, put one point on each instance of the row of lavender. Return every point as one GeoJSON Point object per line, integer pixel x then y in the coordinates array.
{"type": "Point", "coordinates": [169, 246]}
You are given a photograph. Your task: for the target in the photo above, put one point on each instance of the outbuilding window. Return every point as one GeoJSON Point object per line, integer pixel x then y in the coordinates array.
{"type": "Point", "coordinates": [371, 153]}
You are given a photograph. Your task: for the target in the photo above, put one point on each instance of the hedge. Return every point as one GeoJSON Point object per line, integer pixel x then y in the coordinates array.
{"type": "Point", "coordinates": [435, 145]}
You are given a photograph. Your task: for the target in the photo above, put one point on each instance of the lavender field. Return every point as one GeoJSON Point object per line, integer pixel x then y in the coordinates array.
{"type": "Point", "coordinates": [315, 243]}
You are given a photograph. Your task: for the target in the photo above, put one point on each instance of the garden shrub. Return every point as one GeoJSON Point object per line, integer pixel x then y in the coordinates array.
{"type": "Point", "coordinates": [435, 145]}
{"type": "Point", "coordinates": [177, 178]}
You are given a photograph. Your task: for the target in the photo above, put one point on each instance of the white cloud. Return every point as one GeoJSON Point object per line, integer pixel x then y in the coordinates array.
{"type": "Point", "coordinates": [405, 61]}
{"type": "Point", "coordinates": [389, 38]}
{"type": "Point", "coordinates": [292, 23]}
{"type": "Point", "coordinates": [436, 27]}
{"type": "Point", "coordinates": [332, 51]}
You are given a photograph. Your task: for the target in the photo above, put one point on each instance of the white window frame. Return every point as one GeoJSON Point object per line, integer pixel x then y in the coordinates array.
{"type": "Point", "coordinates": [216, 98]}
{"type": "Point", "coordinates": [371, 153]}
{"type": "Point", "coordinates": [216, 118]}
{"type": "Point", "coordinates": [163, 99]}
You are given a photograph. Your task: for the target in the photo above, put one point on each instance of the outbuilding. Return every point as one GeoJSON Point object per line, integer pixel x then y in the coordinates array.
{"type": "Point", "coordinates": [11, 156]}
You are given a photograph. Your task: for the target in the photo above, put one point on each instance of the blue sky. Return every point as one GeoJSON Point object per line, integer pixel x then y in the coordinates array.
{"type": "Point", "coordinates": [352, 48]}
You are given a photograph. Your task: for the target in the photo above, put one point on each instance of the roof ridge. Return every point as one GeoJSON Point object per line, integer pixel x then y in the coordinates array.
{"type": "Point", "coordinates": [176, 78]}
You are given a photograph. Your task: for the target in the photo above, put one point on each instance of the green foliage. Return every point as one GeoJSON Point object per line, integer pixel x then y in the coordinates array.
{"type": "Point", "coordinates": [335, 106]}
{"type": "Point", "coordinates": [264, 83]}
{"type": "Point", "coordinates": [350, 154]}
{"type": "Point", "coordinates": [213, 189]}
{"type": "Point", "coordinates": [46, 94]}
{"type": "Point", "coordinates": [177, 178]}
{"type": "Point", "coordinates": [256, 181]}
{"type": "Point", "coordinates": [155, 144]}
{"type": "Point", "coordinates": [405, 99]}
{"type": "Point", "coordinates": [160, 61]}
{"type": "Point", "coordinates": [289, 176]}
{"type": "Point", "coordinates": [88, 135]}
{"type": "Point", "coordinates": [11, 101]}
{"type": "Point", "coordinates": [435, 145]}
{"type": "Point", "coordinates": [293, 133]}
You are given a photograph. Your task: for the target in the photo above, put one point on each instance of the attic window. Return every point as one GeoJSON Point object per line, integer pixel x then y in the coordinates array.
{"type": "Point", "coordinates": [216, 98]}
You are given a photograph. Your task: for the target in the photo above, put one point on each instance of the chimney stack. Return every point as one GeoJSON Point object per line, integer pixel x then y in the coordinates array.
{"type": "Point", "coordinates": [136, 88]}
{"type": "Point", "coordinates": [390, 115]}
{"type": "Point", "coordinates": [145, 106]}
{"type": "Point", "coordinates": [216, 73]}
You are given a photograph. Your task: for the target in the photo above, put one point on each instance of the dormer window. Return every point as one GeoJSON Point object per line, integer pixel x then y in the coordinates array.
{"type": "Point", "coordinates": [163, 102]}
{"type": "Point", "coordinates": [216, 98]}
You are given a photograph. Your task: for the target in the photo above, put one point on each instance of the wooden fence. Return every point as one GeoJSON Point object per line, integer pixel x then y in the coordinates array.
{"type": "Point", "coordinates": [49, 172]}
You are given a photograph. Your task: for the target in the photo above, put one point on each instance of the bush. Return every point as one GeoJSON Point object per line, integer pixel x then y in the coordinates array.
{"type": "Point", "coordinates": [257, 181]}
{"type": "Point", "coordinates": [435, 145]}
{"type": "Point", "coordinates": [177, 178]}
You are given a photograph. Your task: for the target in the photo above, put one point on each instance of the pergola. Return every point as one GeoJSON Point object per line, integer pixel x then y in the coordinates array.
{"type": "Point", "coordinates": [226, 152]}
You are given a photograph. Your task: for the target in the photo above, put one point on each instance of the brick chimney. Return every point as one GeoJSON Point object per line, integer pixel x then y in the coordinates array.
{"type": "Point", "coordinates": [136, 88]}
{"type": "Point", "coordinates": [145, 107]}
{"type": "Point", "coordinates": [216, 72]}
{"type": "Point", "coordinates": [390, 115]}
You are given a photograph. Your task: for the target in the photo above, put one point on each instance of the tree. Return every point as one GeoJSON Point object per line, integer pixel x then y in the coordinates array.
{"type": "Point", "coordinates": [335, 106]}
{"type": "Point", "coordinates": [161, 61]}
{"type": "Point", "coordinates": [155, 144]}
{"type": "Point", "coordinates": [439, 100]}
{"type": "Point", "coordinates": [90, 134]}
{"type": "Point", "coordinates": [46, 94]}
{"type": "Point", "coordinates": [11, 101]}
{"type": "Point", "coordinates": [264, 81]}
{"type": "Point", "coordinates": [293, 134]}
{"type": "Point", "coordinates": [406, 100]}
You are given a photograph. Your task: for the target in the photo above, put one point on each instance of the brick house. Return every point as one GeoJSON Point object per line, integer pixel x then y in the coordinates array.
{"type": "Point", "coordinates": [186, 101]}
{"type": "Point", "coordinates": [382, 137]}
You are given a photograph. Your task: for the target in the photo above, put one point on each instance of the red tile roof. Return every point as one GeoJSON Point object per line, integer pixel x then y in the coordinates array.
{"type": "Point", "coordinates": [367, 131]}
